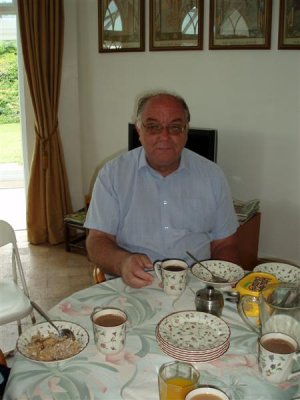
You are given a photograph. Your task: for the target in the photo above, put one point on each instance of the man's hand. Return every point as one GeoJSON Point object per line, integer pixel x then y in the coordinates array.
{"type": "Point", "coordinates": [132, 270]}
{"type": "Point", "coordinates": [104, 251]}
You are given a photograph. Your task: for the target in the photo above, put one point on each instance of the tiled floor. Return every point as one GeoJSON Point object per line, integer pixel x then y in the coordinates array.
{"type": "Point", "coordinates": [51, 274]}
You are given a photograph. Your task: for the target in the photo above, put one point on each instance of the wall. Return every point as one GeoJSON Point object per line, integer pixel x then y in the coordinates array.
{"type": "Point", "coordinates": [69, 113]}
{"type": "Point", "coordinates": [250, 96]}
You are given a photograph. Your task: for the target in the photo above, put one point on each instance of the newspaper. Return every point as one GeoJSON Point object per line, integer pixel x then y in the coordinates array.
{"type": "Point", "coordinates": [246, 209]}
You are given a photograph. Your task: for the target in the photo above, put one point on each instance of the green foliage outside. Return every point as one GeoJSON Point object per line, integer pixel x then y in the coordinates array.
{"type": "Point", "coordinates": [9, 90]}
{"type": "Point", "coordinates": [10, 135]}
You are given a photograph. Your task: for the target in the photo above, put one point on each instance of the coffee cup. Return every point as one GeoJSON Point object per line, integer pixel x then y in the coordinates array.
{"type": "Point", "coordinates": [207, 393]}
{"type": "Point", "coordinates": [172, 274]}
{"type": "Point", "coordinates": [277, 354]}
{"type": "Point", "coordinates": [176, 379]}
{"type": "Point", "coordinates": [109, 326]}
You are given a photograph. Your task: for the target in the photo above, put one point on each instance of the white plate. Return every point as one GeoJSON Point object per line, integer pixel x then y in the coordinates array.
{"type": "Point", "coordinates": [193, 357]}
{"type": "Point", "coordinates": [283, 272]}
{"type": "Point", "coordinates": [182, 350]}
{"type": "Point", "coordinates": [225, 269]}
{"type": "Point", "coordinates": [193, 330]}
{"type": "Point", "coordinates": [45, 329]}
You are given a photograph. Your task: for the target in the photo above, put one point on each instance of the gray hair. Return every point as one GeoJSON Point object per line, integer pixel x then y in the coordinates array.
{"type": "Point", "coordinates": [143, 100]}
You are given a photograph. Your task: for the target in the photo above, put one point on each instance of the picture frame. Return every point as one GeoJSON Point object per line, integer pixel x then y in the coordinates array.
{"type": "Point", "coordinates": [176, 25]}
{"type": "Point", "coordinates": [121, 25]}
{"type": "Point", "coordinates": [240, 24]}
{"type": "Point", "coordinates": [289, 25]}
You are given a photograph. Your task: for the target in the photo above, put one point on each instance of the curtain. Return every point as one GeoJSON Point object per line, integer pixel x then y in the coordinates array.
{"type": "Point", "coordinates": [48, 198]}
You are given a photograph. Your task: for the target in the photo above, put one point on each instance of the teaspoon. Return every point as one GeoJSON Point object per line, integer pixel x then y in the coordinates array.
{"type": "Point", "coordinates": [215, 278]}
{"type": "Point", "coordinates": [61, 332]}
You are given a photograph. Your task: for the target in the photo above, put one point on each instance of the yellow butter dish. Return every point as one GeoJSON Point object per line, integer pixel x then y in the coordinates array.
{"type": "Point", "coordinates": [251, 285]}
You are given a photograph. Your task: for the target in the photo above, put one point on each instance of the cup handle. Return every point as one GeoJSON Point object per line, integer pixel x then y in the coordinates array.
{"type": "Point", "coordinates": [295, 373]}
{"type": "Point", "coordinates": [157, 269]}
{"type": "Point", "coordinates": [240, 306]}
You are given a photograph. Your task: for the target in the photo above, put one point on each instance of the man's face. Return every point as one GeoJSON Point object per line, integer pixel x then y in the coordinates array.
{"type": "Point", "coordinates": [163, 133]}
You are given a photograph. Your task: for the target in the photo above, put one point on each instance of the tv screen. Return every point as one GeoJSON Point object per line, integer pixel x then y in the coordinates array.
{"type": "Point", "coordinates": [200, 140]}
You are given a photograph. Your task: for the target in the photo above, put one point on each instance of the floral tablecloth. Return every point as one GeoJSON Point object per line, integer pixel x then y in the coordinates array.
{"type": "Point", "coordinates": [132, 374]}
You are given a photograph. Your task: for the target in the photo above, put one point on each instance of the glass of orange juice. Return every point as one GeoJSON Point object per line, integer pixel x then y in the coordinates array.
{"type": "Point", "coordinates": [176, 379]}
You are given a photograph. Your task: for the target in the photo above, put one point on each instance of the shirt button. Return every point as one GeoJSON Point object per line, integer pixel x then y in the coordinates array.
{"type": "Point", "coordinates": [166, 227]}
{"type": "Point", "coordinates": [165, 202]}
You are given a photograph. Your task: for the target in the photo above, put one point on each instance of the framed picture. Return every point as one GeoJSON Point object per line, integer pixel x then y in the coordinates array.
{"type": "Point", "coordinates": [289, 24]}
{"type": "Point", "coordinates": [121, 25]}
{"type": "Point", "coordinates": [176, 25]}
{"type": "Point", "coordinates": [240, 24]}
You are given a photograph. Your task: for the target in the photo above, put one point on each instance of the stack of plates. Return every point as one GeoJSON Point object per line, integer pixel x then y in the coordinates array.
{"type": "Point", "coordinates": [193, 336]}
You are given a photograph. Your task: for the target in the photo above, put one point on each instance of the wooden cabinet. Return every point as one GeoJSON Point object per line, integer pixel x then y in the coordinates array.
{"type": "Point", "coordinates": [248, 239]}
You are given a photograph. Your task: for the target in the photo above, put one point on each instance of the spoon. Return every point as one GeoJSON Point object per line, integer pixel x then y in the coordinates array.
{"type": "Point", "coordinates": [215, 278]}
{"type": "Point", "coordinates": [61, 332]}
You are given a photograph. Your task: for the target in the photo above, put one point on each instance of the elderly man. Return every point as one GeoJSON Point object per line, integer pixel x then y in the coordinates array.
{"type": "Point", "coordinates": [159, 200]}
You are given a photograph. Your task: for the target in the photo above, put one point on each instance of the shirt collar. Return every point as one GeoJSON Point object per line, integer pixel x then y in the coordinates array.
{"type": "Point", "coordinates": [142, 163]}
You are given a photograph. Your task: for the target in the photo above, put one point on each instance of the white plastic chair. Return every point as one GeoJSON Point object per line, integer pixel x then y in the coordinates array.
{"type": "Point", "coordinates": [14, 297]}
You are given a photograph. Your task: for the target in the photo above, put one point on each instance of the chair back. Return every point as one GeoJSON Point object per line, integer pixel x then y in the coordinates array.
{"type": "Point", "coordinates": [14, 297]}
{"type": "Point", "coordinates": [98, 275]}
{"type": "Point", "coordinates": [8, 236]}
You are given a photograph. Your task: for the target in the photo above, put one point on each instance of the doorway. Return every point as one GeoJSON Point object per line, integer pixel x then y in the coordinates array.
{"type": "Point", "coordinates": [12, 183]}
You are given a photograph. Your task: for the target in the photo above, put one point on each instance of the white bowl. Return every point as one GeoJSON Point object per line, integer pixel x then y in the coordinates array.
{"type": "Point", "coordinates": [206, 390]}
{"type": "Point", "coordinates": [283, 272]}
{"type": "Point", "coordinates": [225, 269]}
{"type": "Point", "coordinates": [44, 328]}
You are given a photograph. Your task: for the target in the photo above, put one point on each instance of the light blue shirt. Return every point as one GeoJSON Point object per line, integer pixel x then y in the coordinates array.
{"type": "Point", "coordinates": [162, 216]}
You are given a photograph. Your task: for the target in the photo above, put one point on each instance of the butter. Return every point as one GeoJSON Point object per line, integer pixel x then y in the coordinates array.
{"type": "Point", "coordinates": [251, 285]}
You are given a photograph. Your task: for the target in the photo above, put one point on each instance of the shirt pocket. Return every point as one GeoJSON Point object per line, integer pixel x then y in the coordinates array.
{"type": "Point", "coordinates": [196, 214]}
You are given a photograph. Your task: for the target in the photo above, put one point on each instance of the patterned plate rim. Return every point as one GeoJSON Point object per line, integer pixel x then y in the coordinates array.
{"type": "Point", "coordinates": [83, 338]}
{"type": "Point", "coordinates": [193, 354]}
{"type": "Point", "coordinates": [193, 358]}
{"type": "Point", "coordinates": [239, 273]}
{"type": "Point", "coordinates": [187, 355]}
{"type": "Point", "coordinates": [166, 344]}
{"type": "Point", "coordinates": [283, 268]}
{"type": "Point", "coordinates": [199, 314]}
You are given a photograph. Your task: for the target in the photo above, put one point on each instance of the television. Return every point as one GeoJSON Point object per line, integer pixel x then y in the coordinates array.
{"type": "Point", "coordinates": [200, 140]}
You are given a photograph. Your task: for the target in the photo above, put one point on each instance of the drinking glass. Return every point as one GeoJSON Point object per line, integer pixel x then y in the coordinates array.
{"type": "Point", "coordinates": [176, 379]}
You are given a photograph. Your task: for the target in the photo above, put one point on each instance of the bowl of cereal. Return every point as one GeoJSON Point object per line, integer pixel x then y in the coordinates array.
{"type": "Point", "coordinates": [42, 343]}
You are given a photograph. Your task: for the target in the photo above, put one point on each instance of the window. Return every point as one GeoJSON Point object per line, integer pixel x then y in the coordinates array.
{"type": "Point", "coordinates": [190, 22]}
{"type": "Point", "coordinates": [9, 97]}
{"type": "Point", "coordinates": [234, 25]}
{"type": "Point", "coordinates": [8, 7]}
{"type": "Point", "coordinates": [112, 19]}
{"type": "Point", "coordinates": [12, 198]}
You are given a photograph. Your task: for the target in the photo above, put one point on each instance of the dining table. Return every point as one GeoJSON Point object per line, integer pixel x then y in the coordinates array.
{"type": "Point", "coordinates": [132, 374]}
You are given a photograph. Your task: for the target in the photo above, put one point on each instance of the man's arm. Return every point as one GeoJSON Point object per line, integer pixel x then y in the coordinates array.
{"type": "Point", "coordinates": [104, 251]}
{"type": "Point", "coordinates": [225, 249]}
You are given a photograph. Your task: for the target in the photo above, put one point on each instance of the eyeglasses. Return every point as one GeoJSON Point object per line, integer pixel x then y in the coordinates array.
{"type": "Point", "coordinates": [156, 129]}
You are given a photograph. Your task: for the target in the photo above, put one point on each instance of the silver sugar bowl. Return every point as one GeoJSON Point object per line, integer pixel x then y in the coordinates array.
{"type": "Point", "coordinates": [209, 300]}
